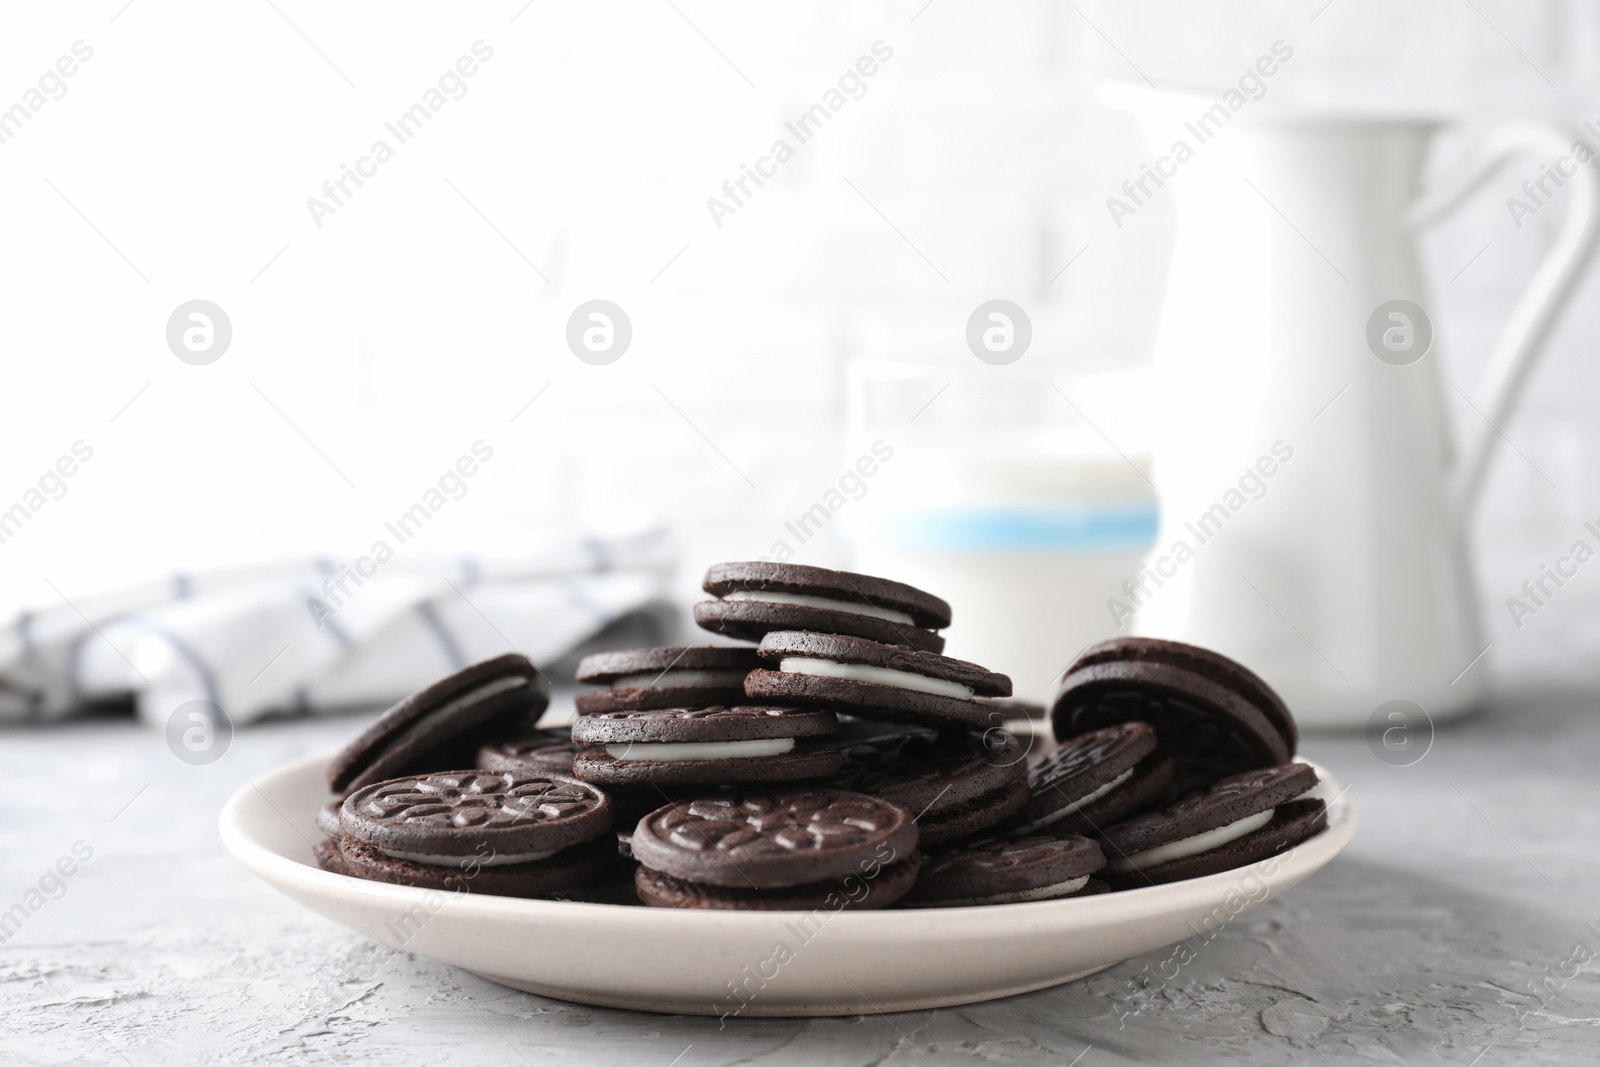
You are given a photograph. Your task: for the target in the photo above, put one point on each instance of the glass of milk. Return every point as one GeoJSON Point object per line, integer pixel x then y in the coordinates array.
{"type": "Point", "coordinates": [1022, 498]}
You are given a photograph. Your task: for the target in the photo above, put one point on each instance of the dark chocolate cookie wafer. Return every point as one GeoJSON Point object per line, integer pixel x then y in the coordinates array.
{"type": "Point", "coordinates": [874, 680]}
{"type": "Point", "coordinates": [414, 735]}
{"type": "Point", "coordinates": [1012, 709]}
{"type": "Point", "coordinates": [744, 722]}
{"type": "Point", "coordinates": [512, 833]}
{"type": "Point", "coordinates": [1204, 826]}
{"type": "Point", "coordinates": [1092, 780]}
{"type": "Point", "coordinates": [956, 783]}
{"type": "Point", "coordinates": [328, 818]}
{"type": "Point", "coordinates": [567, 871]}
{"type": "Point", "coordinates": [1209, 728]}
{"type": "Point", "coordinates": [774, 840]}
{"type": "Point", "coordinates": [531, 750]}
{"type": "Point", "coordinates": [641, 679]}
{"type": "Point", "coordinates": [758, 598]}
{"type": "Point", "coordinates": [329, 858]}
{"type": "Point", "coordinates": [1009, 870]}
{"type": "Point", "coordinates": [747, 744]}
{"type": "Point", "coordinates": [863, 891]}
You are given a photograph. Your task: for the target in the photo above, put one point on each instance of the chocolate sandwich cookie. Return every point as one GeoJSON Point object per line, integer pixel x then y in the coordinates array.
{"type": "Point", "coordinates": [1210, 714]}
{"type": "Point", "coordinates": [431, 724]}
{"type": "Point", "coordinates": [875, 680]}
{"type": "Point", "coordinates": [530, 750]}
{"type": "Point", "coordinates": [642, 679]}
{"type": "Point", "coordinates": [800, 848]}
{"type": "Point", "coordinates": [1203, 661]}
{"type": "Point", "coordinates": [1239, 820]}
{"type": "Point", "coordinates": [860, 892]}
{"type": "Point", "coordinates": [506, 833]}
{"type": "Point", "coordinates": [703, 746]}
{"type": "Point", "coordinates": [1009, 871]}
{"type": "Point", "coordinates": [955, 783]}
{"type": "Point", "coordinates": [1093, 780]}
{"type": "Point", "coordinates": [755, 599]}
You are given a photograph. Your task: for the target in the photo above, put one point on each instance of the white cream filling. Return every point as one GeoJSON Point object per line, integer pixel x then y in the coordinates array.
{"type": "Point", "coordinates": [496, 860]}
{"type": "Point", "coordinates": [1022, 896]}
{"type": "Point", "coordinates": [483, 692]}
{"type": "Point", "coordinates": [673, 751]}
{"type": "Point", "coordinates": [1057, 816]}
{"type": "Point", "coordinates": [806, 600]}
{"type": "Point", "coordinates": [860, 672]}
{"type": "Point", "coordinates": [673, 679]}
{"type": "Point", "coordinates": [1191, 846]}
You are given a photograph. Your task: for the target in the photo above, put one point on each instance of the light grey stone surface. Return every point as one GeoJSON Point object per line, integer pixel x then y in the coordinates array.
{"type": "Point", "coordinates": [1473, 876]}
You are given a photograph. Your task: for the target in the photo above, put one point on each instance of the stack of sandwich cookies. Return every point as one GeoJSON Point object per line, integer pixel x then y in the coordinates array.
{"type": "Point", "coordinates": [797, 850]}
{"type": "Point", "coordinates": [677, 717]}
{"type": "Point", "coordinates": [809, 771]}
{"type": "Point", "coordinates": [508, 834]}
{"type": "Point", "coordinates": [644, 679]}
{"type": "Point", "coordinates": [1093, 780]}
{"type": "Point", "coordinates": [874, 680]}
{"type": "Point", "coordinates": [1242, 819]}
{"type": "Point", "coordinates": [755, 599]}
{"type": "Point", "coordinates": [955, 783]}
{"type": "Point", "coordinates": [1212, 716]}
{"type": "Point", "coordinates": [1009, 871]}
{"type": "Point", "coordinates": [438, 727]}
{"type": "Point", "coordinates": [747, 744]}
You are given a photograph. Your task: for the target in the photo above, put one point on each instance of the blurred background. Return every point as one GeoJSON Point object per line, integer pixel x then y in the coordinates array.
{"type": "Point", "coordinates": [379, 337]}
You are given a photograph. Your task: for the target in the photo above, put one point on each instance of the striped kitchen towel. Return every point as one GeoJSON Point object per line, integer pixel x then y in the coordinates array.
{"type": "Point", "coordinates": [315, 637]}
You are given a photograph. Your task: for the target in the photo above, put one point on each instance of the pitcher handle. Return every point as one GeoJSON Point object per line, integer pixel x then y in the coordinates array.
{"type": "Point", "coordinates": [1521, 339]}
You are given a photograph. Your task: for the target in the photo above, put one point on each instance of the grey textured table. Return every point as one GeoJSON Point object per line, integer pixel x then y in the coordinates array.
{"type": "Point", "coordinates": [1445, 934]}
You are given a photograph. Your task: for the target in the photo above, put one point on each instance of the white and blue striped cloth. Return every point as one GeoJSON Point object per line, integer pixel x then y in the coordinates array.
{"type": "Point", "coordinates": [291, 638]}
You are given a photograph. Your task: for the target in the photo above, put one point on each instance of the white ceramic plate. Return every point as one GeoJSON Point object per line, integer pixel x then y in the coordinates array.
{"type": "Point", "coordinates": [751, 963]}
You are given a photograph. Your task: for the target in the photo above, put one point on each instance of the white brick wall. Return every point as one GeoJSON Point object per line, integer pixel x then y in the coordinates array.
{"type": "Point", "coordinates": [591, 141]}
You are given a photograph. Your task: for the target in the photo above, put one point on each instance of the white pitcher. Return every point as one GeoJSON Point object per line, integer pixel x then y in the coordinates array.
{"type": "Point", "coordinates": [1336, 566]}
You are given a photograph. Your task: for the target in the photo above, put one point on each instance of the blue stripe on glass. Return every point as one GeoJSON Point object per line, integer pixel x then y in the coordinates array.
{"type": "Point", "coordinates": [1016, 529]}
